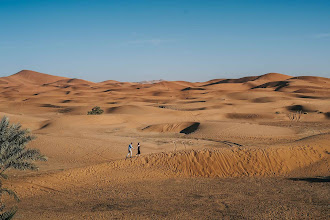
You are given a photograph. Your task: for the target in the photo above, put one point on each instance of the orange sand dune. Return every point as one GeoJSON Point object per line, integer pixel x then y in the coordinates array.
{"type": "Point", "coordinates": [32, 77]}
{"type": "Point", "coordinates": [262, 139]}
{"type": "Point", "coordinates": [235, 162]}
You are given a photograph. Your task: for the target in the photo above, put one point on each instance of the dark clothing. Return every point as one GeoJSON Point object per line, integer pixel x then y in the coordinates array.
{"type": "Point", "coordinates": [138, 150]}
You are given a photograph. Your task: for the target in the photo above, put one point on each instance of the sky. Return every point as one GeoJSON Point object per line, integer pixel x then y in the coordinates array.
{"type": "Point", "coordinates": [190, 40]}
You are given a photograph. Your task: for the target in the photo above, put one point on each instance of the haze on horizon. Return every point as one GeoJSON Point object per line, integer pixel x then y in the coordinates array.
{"type": "Point", "coordinates": [171, 40]}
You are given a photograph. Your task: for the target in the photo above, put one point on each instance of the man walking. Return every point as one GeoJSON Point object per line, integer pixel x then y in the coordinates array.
{"type": "Point", "coordinates": [130, 147]}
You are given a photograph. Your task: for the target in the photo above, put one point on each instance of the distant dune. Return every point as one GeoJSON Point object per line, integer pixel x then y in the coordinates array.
{"type": "Point", "coordinates": [32, 77]}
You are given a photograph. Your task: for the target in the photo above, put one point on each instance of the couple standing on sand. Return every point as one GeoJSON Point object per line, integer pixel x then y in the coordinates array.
{"type": "Point", "coordinates": [130, 148]}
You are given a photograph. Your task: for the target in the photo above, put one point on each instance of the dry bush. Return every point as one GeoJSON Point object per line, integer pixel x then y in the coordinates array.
{"type": "Point", "coordinates": [295, 116]}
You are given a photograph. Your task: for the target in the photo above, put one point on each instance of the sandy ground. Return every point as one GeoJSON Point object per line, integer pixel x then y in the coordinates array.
{"type": "Point", "coordinates": [222, 149]}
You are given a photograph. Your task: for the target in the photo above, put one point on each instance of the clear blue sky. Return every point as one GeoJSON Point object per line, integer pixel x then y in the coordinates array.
{"type": "Point", "coordinates": [173, 40]}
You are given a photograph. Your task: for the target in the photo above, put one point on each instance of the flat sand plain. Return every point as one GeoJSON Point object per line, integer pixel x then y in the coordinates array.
{"type": "Point", "coordinates": [222, 149]}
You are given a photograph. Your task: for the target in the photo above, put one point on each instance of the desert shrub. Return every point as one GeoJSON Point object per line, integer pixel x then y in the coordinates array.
{"type": "Point", "coordinates": [15, 155]}
{"type": "Point", "coordinates": [95, 111]}
{"type": "Point", "coordinates": [295, 117]}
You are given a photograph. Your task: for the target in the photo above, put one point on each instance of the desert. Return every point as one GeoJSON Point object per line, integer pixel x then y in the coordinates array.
{"type": "Point", "coordinates": [255, 147]}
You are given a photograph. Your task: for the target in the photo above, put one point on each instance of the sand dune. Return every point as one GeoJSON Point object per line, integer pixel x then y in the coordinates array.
{"type": "Point", "coordinates": [234, 162]}
{"type": "Point", "coordinates": [233, 130]}
{"type": "Point", "coordinates": [32, 77]}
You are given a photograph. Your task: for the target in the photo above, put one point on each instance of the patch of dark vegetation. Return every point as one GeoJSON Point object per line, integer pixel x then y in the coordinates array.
{"type": "Point", "coordinates": [190, 88]}
{"type": "Point", "coordinates": [95, 111]}
{"type": "Point", "coordinates": [36, 94]}
{"type": "Point", "coordinates": [321, 179]}
{"type": "Point", "coordinates": [192, 128]}
{"type": "Point", "coordinates": [108, 90]}
{"type": "Point", "coordinates": [66, 101]}
{"type": "Point", "coordinates": [112, 103]}
{"type": "Point", "coordinates": [25, 100]}
{"type": "Point", "coordinates": [68, 92]}
{"type": "Point", "coordinates": [50, 106]}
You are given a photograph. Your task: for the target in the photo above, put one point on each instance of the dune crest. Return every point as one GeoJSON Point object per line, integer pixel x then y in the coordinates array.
{"type": "Point", "coordinates": [33, 77]}
{"type": "Point", "coordinates": [234, 162]}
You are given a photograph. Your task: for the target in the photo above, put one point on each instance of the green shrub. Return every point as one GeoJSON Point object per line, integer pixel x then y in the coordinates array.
{"type": "Point", "coordinates": [95, 111]}
{"type": "Point", "coordinates": [15, 155]}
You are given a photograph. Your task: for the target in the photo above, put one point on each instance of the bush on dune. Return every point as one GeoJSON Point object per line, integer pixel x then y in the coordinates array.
{"type": "Point", "coordinates": [95, 111]}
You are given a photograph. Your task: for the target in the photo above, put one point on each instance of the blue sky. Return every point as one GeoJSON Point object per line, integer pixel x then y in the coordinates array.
{"type": "Point", "coordinates": [173, 40]}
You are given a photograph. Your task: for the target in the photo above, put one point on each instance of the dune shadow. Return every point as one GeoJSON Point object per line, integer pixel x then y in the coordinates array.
{"type": "Point", "coordinates": [327, 114]}
{"type": "Point", "coordinates": [192, 128]}
{"type": "Point", "coordinates": [320, 179]}
{"type": "Point", "coordinates": [44, 126]}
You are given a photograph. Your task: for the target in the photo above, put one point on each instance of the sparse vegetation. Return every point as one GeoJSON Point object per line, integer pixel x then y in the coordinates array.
{"type": "Point", "coordinates": [95, 111]}
{"type": "Point", "coordinates": [295, 116]}
{"type": "Point", "coordinates": [14, 154]}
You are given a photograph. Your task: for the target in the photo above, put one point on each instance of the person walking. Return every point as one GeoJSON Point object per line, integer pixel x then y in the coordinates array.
{"type": "Point", "coordinates": [138, 149]}
{"type": "Point", "coordinates": [130, 147]}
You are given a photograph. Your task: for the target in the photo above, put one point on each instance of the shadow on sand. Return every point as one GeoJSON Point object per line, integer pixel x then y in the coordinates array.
{"type": "Point", "coordinates": [320, 179]}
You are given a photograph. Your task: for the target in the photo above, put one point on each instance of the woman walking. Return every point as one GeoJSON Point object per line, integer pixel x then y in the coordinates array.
{"type": "Point", "coordinates": [138, 150]}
